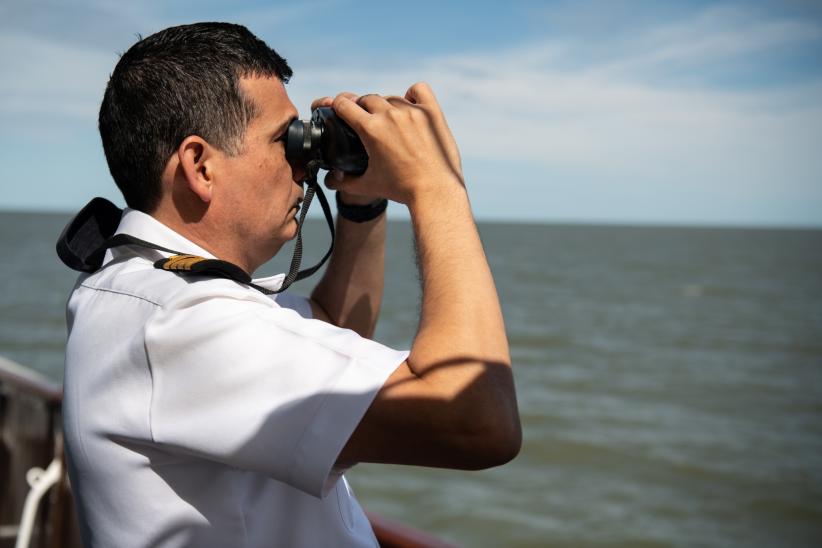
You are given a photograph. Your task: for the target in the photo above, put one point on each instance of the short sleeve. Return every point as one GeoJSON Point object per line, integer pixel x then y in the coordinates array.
{"type": "Point", "coordinates": [238, 379]}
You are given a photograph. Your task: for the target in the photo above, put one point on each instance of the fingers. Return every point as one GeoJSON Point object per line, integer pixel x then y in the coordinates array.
{"type": "Point", "coordinates": [373, 103]}
{"type": "Point", "coordinates": [356, 110]}
{"type": "Point", "coordinates": [333, 178]}
{"type": "Point", "coordinates": [321, 102]}
{"type": "Point", "coordinates": [329, 101]}
{"type": "Point", "coordinates": [421, 94]}
{"type": "Point", "coordinates": [350, 111]}
{"type": "Point", "coordinates": [397, 101]}
{"type": "Point", "coordinates": [345, 182]}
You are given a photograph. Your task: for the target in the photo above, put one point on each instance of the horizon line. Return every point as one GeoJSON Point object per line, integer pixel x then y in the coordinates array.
{"type": "Point", "coordinates": [604, 223]}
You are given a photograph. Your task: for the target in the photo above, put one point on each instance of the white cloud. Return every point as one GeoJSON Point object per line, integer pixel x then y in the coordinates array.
{"type": "Point", "coordinates": [520, 111]}
{"type": "Point", "coordinates": [715, 35]}
{"type": "Point", "coordinates": [51, 79]}
{"type": "Point", "coordinates": [606, 122]}
{"type": "Point", "coordinates": [610, 123]}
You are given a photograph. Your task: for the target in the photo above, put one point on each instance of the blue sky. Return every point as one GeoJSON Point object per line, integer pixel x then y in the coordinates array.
{"type": "Point", "coordinates": [610, 112]}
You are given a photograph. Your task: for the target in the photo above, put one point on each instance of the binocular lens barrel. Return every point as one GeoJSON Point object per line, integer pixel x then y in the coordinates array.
{"type": "Point", "coordinates": [328, 139]}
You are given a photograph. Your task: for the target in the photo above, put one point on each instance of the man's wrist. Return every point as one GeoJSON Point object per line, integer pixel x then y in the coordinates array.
{"type": "Point", "coordinates": [441, 196]}
{"type": "Point", "coordinates": [360, 212]}
{"type": "Point", "coordinates": [355, 200]}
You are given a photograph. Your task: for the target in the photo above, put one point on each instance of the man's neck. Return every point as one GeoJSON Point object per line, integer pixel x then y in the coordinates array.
{"type": "Point", "coordinates": [217, 242]}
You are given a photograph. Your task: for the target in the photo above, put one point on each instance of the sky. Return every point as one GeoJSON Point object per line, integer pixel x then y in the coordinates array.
{"type": "Point", "coordinates": [694, 113]}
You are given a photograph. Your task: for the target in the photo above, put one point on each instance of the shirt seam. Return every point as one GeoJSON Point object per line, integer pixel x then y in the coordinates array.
{"type": "Point", "coordinates": [145, 348]}
{"type": "Point", "coordinates": [121, 292]}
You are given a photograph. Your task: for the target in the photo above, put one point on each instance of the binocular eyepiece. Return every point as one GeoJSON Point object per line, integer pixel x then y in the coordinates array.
{"type": "Point", "coordinates": [328, 139]}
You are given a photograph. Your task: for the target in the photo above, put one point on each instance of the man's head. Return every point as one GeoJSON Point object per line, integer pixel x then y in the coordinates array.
{"type": "Point", "coordinates": [192, 123]}
{"type": "Point", "coordinates": [178, 82]}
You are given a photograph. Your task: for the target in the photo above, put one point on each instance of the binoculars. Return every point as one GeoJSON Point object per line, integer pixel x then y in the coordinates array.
{"type": "Point", "coordinates": [327, 139]}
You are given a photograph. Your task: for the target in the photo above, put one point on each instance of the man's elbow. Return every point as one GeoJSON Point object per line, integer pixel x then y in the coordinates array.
{"type": "Point", "coordinates": [490, 421]}
{"type": "Point", "coordinates": [505, 445]}
{"type": "Point", "coordinates": [492, 444]}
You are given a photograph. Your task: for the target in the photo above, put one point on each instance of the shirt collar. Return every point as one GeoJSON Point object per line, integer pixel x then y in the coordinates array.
{"type": "Point", "coordinates": [145, 227]}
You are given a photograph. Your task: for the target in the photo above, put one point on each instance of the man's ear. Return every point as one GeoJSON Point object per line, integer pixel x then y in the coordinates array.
{"type": "Point", "coordinates": [197, 162]}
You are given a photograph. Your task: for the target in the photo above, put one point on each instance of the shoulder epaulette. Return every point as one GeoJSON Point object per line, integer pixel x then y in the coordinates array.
{"type": "Point", "coordinates": [192, 264]}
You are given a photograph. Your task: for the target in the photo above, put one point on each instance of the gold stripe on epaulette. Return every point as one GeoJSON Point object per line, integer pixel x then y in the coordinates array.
{"type": "Point", "coordinates": [181, 262]}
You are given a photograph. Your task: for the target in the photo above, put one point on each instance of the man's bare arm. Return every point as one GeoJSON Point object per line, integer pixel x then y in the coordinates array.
{"type": "Point", "coordinates": [452, 403]}
{"type": "Point", "coordinates": [350, 292]}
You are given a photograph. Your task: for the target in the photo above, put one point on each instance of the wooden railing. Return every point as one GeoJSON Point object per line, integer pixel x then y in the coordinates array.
{"type": "Point", "coordinates": [31, 435]}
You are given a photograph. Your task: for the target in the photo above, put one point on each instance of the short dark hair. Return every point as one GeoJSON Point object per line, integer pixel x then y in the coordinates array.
{"type": "Point", "coordinates": [178, 82]}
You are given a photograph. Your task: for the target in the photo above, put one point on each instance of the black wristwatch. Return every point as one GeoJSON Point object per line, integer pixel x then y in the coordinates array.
{"type": "Point", "coordinates": [360, 213]}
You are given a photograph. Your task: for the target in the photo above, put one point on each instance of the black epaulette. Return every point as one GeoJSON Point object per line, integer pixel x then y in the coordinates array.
{"type": "Point", "coordinates": [192, 264]}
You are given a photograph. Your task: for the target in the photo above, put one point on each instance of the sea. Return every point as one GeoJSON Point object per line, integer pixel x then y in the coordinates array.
{"type": "Point", "coordinates": [669, 382]}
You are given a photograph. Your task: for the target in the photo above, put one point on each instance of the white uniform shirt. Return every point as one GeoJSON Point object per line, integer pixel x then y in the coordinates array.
{"type": "Point", "coordinates": [200, 412]}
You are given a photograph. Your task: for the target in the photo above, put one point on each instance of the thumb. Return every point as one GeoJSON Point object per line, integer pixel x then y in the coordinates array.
{"type": "Point", "coordinates": [338, 180]}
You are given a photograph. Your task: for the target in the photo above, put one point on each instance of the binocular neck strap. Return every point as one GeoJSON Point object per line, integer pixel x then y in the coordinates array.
{"type": "Point", "coordinates": [294, 272]}
{"type": "Point", "coordinates": [84, 241]}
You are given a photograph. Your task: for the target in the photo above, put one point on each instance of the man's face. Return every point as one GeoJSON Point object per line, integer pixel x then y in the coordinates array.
{"type": "Point", "coordinates": [260, 193]}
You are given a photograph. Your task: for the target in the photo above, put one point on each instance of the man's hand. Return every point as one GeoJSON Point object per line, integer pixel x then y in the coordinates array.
{"type": "Point", "coordinates": [410, 148]}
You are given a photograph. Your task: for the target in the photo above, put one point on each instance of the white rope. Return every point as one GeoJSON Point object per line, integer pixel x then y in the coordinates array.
{"type": "Point", "coordinates": [40, 482]}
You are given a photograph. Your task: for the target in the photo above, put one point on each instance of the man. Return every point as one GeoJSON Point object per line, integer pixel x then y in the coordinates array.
{"type": "Point", "coordinates": [200, 411]}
